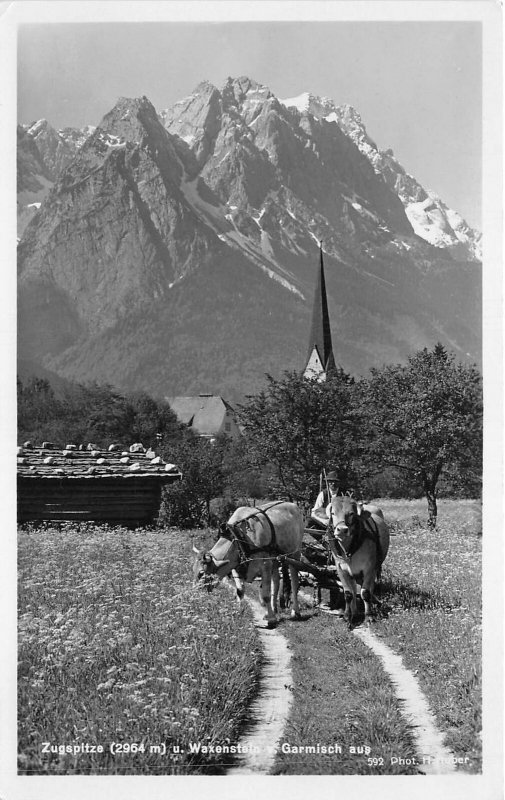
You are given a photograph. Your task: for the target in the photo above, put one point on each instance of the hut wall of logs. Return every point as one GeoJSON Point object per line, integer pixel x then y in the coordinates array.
{"type": "Point", "coordinates": [114, 486]}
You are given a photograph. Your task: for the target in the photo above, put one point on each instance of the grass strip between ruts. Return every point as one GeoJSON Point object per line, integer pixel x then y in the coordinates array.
{"type": "Point", "coordinates": [343, 698]}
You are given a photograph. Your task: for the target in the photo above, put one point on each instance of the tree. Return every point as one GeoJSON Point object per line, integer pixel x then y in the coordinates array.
{"type": "Point", "coordinates": [37, 405]}
{"type": "Point", "coordinates": [424, 418]}
{"type": "Point", "coordinates": [243, 479]}
{"type": "Point", "coordinates": [296, 427]}
{"type": "Point", "coordinates": [82, 413]}
{"type": "Point", "coordinates": [203, 466]}
{"type": "Point", "coordinates": [153, 421]}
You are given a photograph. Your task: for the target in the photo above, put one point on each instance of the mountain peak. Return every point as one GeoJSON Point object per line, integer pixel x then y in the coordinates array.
{"type": "Point", "coordinates": [132, 104]}
{"type": "Point", "coordinates": [243, 83]}
{"type": "Point", "coordinates": [204, 87]}
{"type": "Point", "coordinates": [128, 119]}
{"type": "Point", "coordinates": [237, 90]}
{"type": "Point", "coordinates": [36, 127]}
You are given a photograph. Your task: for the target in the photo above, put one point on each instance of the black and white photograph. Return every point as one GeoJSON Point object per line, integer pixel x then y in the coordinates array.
{"type": "Point", "coordinates": [252, 349]}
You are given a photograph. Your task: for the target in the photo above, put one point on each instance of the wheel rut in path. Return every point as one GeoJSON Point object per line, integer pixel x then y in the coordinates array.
{"type": "Point", "coordinates": [433, 756]}
{"type": "Point", "coordinates": [270, 709]}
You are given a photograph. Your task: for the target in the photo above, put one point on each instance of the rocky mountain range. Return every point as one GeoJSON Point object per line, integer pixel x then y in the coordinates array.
{"type": "Point", "coordinates": [176, 251]}
{"type": "Point", "coordinates": [429, 216]}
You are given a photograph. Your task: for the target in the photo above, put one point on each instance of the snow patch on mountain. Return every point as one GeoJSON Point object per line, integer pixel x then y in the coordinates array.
{"type": "Point", "coordinates": [320, 107]}
{"type": "Point", "coordinates": [429, 216]}
{"type": "Point", "coordinates": [110, 140]}
{"type": "Point", "coordinates": [75, 137]}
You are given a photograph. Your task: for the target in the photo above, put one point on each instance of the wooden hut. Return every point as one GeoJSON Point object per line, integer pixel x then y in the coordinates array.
{"type": "Point", "coordinates": [115, 486]}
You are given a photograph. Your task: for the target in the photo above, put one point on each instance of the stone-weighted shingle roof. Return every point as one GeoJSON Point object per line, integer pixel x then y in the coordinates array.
{"type": "Point", "coordinates": [46, 461]}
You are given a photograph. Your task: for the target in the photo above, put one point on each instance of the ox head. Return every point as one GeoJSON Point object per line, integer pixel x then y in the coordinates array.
{"type": "Point", "coordinates": [345, 520]}
{"type": "Point", "coordinates": [209, 567]}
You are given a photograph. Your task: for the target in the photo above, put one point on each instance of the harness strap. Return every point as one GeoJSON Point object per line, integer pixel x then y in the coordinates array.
{"type": "Point", "coordinates": [273, 543]}
{"type": "Point", "coordinates": [331, 536]}
{"type": "Point", "coordinates": [245, 549]}
{"type": "Point", "coordinates": [256, 513]}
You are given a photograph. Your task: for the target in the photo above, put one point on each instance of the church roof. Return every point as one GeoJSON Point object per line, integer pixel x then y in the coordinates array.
{"type": "Point", "coordinates": [320, 333]}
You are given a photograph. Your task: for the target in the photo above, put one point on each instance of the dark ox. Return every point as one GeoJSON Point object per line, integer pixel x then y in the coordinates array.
{"type": "Point", "coordinates": [359, 543]}
{"type": "Point", "coordinates": [248, 547]}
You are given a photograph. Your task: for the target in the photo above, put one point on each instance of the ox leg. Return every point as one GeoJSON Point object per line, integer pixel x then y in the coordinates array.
{"type": "Point", "coordinates": [266, 594]}
{"type": "Point", "coordinates": [367, 598]}
{"type": "Point", "coordinates": [276, 582]}
{"type": "Point", "coordinates": [350, 606]}
{"type": "Point", "coordinates": [295, 610]}
{"type": "Point", "coordinates": [349, 586]}
{"type": "Point", "coordinates": [239, 585]}
{"type": "Point", "coordinates": [367, 595]}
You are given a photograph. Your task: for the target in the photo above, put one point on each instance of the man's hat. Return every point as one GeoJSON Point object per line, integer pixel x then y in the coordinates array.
{"type": "Point", "coordinates": [332, 476]}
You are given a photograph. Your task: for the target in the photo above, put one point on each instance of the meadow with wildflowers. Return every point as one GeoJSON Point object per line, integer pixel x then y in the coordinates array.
{"type": "Point", "coordinates": [118, 651]}
{"type": "Point", "coordinates": [432, 583]}
{"type": "Point", "coordinates": [431, 594]}
{"type": "Point", "coordinates": [117, 646]}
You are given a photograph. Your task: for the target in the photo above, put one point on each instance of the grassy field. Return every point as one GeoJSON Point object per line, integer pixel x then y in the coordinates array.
{"type": "Point", "coordinates": [432, 581]}
{"type": "Point", "coordinates": [431, 590]}
{"type": "Point", "coordinates": [116, 646]}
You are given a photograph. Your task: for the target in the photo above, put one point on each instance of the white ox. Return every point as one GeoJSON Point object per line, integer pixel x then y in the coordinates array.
{"type": "Point", "coordinates": [252, 540]}
{"type": "Point", "coordinates": [359, 543]}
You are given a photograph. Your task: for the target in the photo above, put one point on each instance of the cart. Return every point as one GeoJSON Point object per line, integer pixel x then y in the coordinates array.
{"type": "Point", "coordinates": [316, 568]}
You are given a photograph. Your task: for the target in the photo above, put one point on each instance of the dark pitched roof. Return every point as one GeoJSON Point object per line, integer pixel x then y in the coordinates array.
{"type": "Point", "coordinates": [204, 413]}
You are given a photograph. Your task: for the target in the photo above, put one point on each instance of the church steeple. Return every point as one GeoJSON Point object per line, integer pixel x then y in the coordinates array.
{"type": "Point", "coordinates": [320, 361]}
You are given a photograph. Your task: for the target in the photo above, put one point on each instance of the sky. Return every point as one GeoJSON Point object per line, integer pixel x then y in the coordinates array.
{"type": "Point", "coordinates": [417, 85]}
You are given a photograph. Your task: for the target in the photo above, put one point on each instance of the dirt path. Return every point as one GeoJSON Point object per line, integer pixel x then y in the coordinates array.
{"type": "Point", "coordinates": [270, 710]}
{"type": "Point", "coordinates": [434, 757]}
